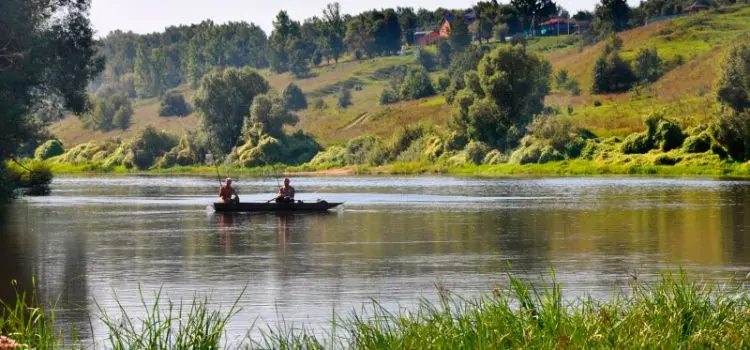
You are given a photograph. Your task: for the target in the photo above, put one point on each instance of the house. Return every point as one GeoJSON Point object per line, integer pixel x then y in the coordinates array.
{"type": "Point", "coordinates": [556, 26]}
{"type": "Point", "coordinates": [426, 37]}
{"type": "Point", "coordinates": [697, 7]}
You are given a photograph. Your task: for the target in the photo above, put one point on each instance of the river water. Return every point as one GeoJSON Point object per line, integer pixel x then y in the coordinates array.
{"type": "Point", "coordinates": [96, 241]}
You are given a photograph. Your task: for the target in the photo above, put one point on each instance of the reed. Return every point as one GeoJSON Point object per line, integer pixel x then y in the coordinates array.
{"type": "Point", "coordinates": [671, 312]}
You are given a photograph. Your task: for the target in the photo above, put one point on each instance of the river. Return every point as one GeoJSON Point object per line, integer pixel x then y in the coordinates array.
{"type": "Point", "coordinates": [396, 240]}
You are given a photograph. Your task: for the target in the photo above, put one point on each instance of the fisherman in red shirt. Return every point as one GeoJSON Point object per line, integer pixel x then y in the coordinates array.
{"type": "Point", "coordinates": [227, 194]}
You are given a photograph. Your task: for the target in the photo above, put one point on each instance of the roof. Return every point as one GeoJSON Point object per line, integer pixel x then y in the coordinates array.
{"type": "Point", "coordinates": [555, 21]}
{"type": "Point", "coordinates": [697, 6]}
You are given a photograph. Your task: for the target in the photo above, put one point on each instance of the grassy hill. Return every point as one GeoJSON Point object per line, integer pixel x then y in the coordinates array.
{"type": "Point", "coordinates": [685, 93]}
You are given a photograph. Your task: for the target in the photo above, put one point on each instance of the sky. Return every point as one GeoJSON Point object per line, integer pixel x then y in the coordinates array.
{"type": "Point", "coordinates": [147, 16]}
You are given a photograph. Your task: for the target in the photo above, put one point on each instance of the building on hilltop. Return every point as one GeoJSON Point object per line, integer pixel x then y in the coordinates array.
{"type": "Point", "coordinates": [696, 7]}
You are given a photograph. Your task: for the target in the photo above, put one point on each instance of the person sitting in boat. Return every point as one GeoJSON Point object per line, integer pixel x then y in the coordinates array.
{"type": "Point", "coordinates": [286, 193]}
{"type": "Point", "coordinates": [228, 194]}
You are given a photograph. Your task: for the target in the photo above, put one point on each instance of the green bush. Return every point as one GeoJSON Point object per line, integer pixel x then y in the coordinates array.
{"type": "Point", "coordinates": [345, 97]}
{"type": "Point", "coordinates": [173, 104]}
{"type": "Point", "coordinates": [333, 156]}
{"type": "Point", "coordinates": [359, 150]}
{"type": "Point", "coordinates": [697, 144]}
{"type": "Point", "coordinates": [443, 83]}
{"type": "Point", "coordinates": [388, 96]}
{"type": "Point", "coordinates": [668, 135]}
{"type": "Point", "coordinates": [495, 157]}
{"type": "Point", "coordinates": [638, 143]}
{"type": "Point", "coordinates": [319, 104]}
{"type": "Point", "coordinates": [526, 154]}
{"type": "Point", "coordinates": [293, 97]}
{"type": "Point", "coordinates": [476, 151]}
{"type": "Point", "coordinates": [665, 159]}
{"type": "Point", "coordinates": [428, 60]}
{"type": "Point", "coordinates": [648, 66]}
{"type": "Point", "coordinates": [416, 85]}
{"type": "Point", "coordinates": [434, 148]}
{"type": "Point", "coordinates": [611, 72]}
{"type": "Point", "coordinates": [49, 149]}
{"type": "Point", "coordinates": [550, 154]}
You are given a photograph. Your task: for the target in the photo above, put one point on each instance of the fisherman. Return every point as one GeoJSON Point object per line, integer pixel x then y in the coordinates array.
{"type": "Point", "coordinates": [228, 194]}
{"type": "Point", "coordinates": [286, 193]}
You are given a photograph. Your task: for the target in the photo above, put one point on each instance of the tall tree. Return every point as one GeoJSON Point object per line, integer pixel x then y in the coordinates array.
{"type": "Point", "coordinates": [533, 11]}
{"type": "Point", "coordinates": [611, 15]}
{"type": "Point", "coordinates": [460, 37]}
{"type": "Point", "coordinates": [408, 21]}
{"type": "Point", "coordinates": [47, 58]}
{"type": "Point", "coordinates": [284, 31]}
{"type": "Point", "coordinates": [335, 30]}
{"type": "Point", "coordinates": [223, 102]}
{"type": "Point", "coordinates": [143, 77]}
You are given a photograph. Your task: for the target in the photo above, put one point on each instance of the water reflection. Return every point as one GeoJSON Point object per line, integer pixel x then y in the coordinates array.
{"type": "Point", "coordinates": [396, 239]}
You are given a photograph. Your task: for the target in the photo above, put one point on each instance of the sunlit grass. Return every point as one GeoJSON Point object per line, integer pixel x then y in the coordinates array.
{"type": "Point", "coordinates": [670, 312]}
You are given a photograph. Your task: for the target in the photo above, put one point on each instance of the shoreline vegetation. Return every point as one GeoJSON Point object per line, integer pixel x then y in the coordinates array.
{"type": "Point", "coordinates": [562, 168]}
{"type": "Point", "coordinates": [672, 311]}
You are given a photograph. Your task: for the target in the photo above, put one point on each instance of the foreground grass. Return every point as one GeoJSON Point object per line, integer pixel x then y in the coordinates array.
{"type": "Point", "coordinates": [673, 312]}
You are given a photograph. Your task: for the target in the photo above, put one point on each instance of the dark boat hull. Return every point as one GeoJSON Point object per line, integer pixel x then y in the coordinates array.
{"type": "Point", "coordinates": [274, 207]}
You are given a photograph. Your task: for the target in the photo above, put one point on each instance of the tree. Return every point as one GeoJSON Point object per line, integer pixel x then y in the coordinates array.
{"type": "Point", "coordinates": [500, 31]}
{"type": "Point", "coordinates": [460, 37]}
{"type": "Point", "coordinates": [508, 90]}
{"type": "Point", "coordinates": [648, 66]}
{"type": "Point", "coordinates": [359, 36]}
{"type": "Point", "coordinates": [285, 30]}
{"type": "Point", "coordinates": [143, 79]}
{"type": "Point", "coordinates": [427, 59]}
{"type": "Point", "coordinates": [294, 99]}
{"type": "Point", "coordinates": [223, 102]}
{"type": "Point", "coordinates": [481, 28]}
{"type": "Point", "coordinates": [532, 10]}
{"type": "Point", "coordinates": [444, 53]}
{"type": "Point", "coordinates": [408, 21]}
{"type": "Point", "coordinates": [173, 104]}
{"type": "Point", "coordinates": [733, 87]}
{"type": "Point", "coordinates": [299, 65]}
{"type": "Point", "coordinates": [335, 30]}
{"type": "Point", "coordinates": [416, 85]}
{"type": "Point", "coordinates": [611, 15]}
{"type": "Point", "coordinates": [270, 113]}
{"type": "Point", "coordinates": [611, 72]}
{"type": "Point", "coordinates": [345, 97]}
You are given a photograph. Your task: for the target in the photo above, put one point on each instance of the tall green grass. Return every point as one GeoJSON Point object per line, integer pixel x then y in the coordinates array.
{"type": "Point", "coordinates": [671, 312]}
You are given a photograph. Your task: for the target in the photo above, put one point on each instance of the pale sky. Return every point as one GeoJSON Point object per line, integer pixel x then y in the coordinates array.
{"type": "Point", "coordinates": [146, 16]}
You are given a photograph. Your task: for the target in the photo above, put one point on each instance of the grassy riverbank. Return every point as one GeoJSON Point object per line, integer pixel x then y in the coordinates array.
{"type": "Point", "coordinates": [673, 312]}
{"type": "Point", "coordinates": [576, 167]}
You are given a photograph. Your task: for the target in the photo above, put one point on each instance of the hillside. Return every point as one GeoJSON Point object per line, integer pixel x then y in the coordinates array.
{"type": "Point", "coordinates": [685, 93]}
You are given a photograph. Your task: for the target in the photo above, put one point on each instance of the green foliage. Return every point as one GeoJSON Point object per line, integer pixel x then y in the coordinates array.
{"type": "Point", "coordinates": [444, 53]}
{"type": "Point", "coordinates": [564, 82]}
{"type": "Point", "coordinates": [509, 91]}
{"type": "Point", "coordinates": [698, 144]}
{"type": "Point", "coordinates": [460, 37]}
{"type": "Point", "coordinates": [186, 152]}
{"type": "Point", "coordinates": [389, 96]}
{"type": "Point", "coordinates": [49, 149]}
{"type": "Point", "coordinates": [611, 72]}
{"type": "Point", "coordinates": [611, 16]}
{"type": "Point", "coordinates": [732, 133]}
{"type": "Point", "coordinates": [319, 104]}
{"type": "Point", "coordinates": [173, 104]}
{"type": "Point", "coordinates": [668, 135]}
{"type": "Point", "coordinates": [442, 84]}
{"type": "Point", "coordinates": [294, 99]}
{"type": "Point", "coordinates": [733, 87]}
{"type": "Point", "coordinates": [269, 113]}
{"type": "Point", "coordinates": [427, 59]}
{"type": "Point", "coordinates": [477, 151]}
{"type": "Point", "coordinates": [495, 157]}
{"type": "Point", "coordinates": [648, 66]}
{"type": "Point", "coordinates": [224, 100]}
{"type": "Point", "coordinates": [665, 159]}
{"type": "Point", "coordinates": [364, 150]}
{"type": "Point", "coordinates": [114, 112]}
{"type": "Point", "coordinates": [500, 31]}
{"type": "Point", "coordinates": [637, 143]}
{"type": "Point", "coordinates": [345, 97]}
{"type": "Point", "coordinates": [147, 146]}
{"type": "Point", "coordinates": [416, 85]}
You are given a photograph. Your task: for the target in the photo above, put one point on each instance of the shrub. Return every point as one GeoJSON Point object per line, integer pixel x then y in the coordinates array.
{"type": "Point", "coordinates": [319, 104]}
{"type": "Point", "coordinates": [477, 151]}
{"type": "Point", "coordinates": [597, 103]}
{"type": "Point", "coordinates": [427, 59]}
{"type": "Point", "coordinates": [527, 154]}
{"type": "Point", "coordinates": [734, 84]}
{"type": "Point", "coordinates": [648, 67]}
{"type": "Point", "coordinates": [443, 83]}
{"type": "Point", "coordinates": [173, 104]}
{"type": "Point", "coordinates": [517, 39]}
{"type": "Point", "coordinates": [434, 147]}
{"type": "Point", "coordinates": [49, 149]}
{"type": "Point", "coordinates": [345, 97]}
{"type": "Point", "coordinates": [668, 135]}
{"type": "Point", "coordinates": [495, 157]}
{"type": "Point", "coordinates": [294, 98]}
{"type": "Point", "coordinates": [697, 144]}
{"type": "Point", "coordinates": [388, 96]}
{"type": "Point", "coordinates": [665, 159]}
{"type": "Point", "coordinates": [638, 143]}
{"type": "Point", "coordinates": [416, 85]}
{"type": "Point", "coordinates": [732, 132]}
{"type": "Point", "coordinates": [549, 154]}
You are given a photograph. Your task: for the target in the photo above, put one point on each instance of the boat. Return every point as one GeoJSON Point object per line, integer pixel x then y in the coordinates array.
{"type": "Point", "coordinates": [251, 207]}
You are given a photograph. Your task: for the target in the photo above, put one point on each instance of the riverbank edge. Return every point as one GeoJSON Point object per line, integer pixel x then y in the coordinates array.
{"type": "Point", "coordinates": [570, 168]}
